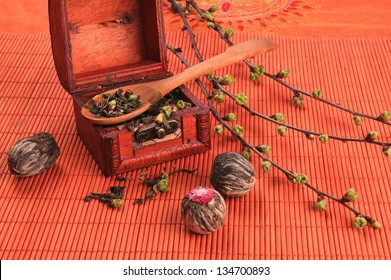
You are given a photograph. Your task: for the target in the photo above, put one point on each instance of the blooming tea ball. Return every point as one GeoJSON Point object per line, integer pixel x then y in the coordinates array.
{"type": "Point", "coordinates": [33, 155]}
{"type": "Point", "coordinates": [232, 175]}
{"type": "Point", "coordinates": [203, 210]}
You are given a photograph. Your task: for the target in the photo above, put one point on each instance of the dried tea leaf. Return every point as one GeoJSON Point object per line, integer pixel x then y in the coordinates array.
{"type": "Point", "coordinates": [117, 104]}
{"type": "Point", "coordinates": [121, 178]}
{"type": "Point", "coordinates": [117, 190]}
{"type": "Point", "coordinates": [150, 194]}
{"type": "Point", "coordinates": [138, 201]}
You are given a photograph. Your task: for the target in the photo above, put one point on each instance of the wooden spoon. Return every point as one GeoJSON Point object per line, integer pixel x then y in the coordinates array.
{"type": "Point", "coordinates": [150, 93]}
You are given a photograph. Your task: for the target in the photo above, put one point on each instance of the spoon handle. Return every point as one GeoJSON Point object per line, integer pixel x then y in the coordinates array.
{"type": "Point", "coordinates": [231, 55]}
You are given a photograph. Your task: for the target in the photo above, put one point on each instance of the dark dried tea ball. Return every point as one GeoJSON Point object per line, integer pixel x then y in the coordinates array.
{"type": "Point", "coordinates": [232, 174]}
{"type": "Point", "coordinates": [33, 155]}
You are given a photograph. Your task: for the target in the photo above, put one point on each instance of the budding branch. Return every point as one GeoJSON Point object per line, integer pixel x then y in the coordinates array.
{"type": "Point", "coordinates": [290, 175]}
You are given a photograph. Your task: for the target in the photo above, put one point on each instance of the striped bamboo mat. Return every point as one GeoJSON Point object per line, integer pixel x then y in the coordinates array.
{"type": "Point", "coordinates": [44, 217]}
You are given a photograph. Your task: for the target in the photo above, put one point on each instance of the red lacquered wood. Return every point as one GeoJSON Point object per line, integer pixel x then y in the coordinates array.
{"type": "Point", "coordinates": [113, 149]}
{"type": "Point", "coordinates": [103, 44]}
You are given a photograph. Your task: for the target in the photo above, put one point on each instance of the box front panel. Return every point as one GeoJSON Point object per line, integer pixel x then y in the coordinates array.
{"type": "Point", "coordinates": [118, 149]}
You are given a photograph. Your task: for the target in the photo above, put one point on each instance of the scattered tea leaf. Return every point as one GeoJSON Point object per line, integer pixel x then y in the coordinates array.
{"type": "Point", "coordinates": [116, 194]}
{"type": "Point", "coordinates": [122, 178]}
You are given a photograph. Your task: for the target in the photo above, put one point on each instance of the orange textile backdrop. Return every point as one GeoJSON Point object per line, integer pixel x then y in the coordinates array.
{"type": "Point", "coordinates": [325, 44]}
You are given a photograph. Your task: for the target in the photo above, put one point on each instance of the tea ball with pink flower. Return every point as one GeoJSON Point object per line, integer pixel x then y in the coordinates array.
{"type": "Point", "coordinates": [203, 210]}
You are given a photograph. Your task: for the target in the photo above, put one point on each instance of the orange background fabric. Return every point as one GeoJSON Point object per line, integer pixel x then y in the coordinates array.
{"type": "Point", "coordinates": [325, 44]}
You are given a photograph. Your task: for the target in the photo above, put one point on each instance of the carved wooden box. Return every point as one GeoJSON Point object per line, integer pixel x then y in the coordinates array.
{"type": "Point", "coordinates": [102, 44]}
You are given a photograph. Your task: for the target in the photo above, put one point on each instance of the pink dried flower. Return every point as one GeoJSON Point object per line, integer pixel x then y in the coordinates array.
{"type": "Point", "coordinates": [201, 195]}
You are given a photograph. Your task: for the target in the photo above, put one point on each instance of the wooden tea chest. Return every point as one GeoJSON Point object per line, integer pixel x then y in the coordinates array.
{"type": "Point", "coordinates": [99, 45]}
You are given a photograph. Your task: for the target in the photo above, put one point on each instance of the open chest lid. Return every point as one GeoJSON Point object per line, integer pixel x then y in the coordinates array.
{"type": "Point", "coordinates": [98, 44]}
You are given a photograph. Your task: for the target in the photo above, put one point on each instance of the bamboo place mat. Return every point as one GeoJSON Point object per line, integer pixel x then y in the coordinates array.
{"type": "Point", "coordinates": [44, 217]}
{"type": "Point", "coordinates": [309, 18]}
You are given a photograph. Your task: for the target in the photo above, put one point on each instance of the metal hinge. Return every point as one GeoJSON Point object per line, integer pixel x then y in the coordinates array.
{"type": "Point", "coordinates": [154, 130]}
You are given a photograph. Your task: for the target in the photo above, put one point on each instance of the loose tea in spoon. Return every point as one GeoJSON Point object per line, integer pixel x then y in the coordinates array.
{"type": "Point", "coordinates": [120, 103]}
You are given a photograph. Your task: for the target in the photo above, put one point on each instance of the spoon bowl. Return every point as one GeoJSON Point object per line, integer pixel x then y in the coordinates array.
{"type": "Point", "coordinates": [148, 96]}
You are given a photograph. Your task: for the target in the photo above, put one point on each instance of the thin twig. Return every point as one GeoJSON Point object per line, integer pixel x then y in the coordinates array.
{"type": "Point", "coordinates": [244, 143]}
{"type": "Point", "coordinates": [306, 132]}
{"type": "Point", "coordinates": [295, 90]}
{"type": "Point", "coordinates": [290, 175]}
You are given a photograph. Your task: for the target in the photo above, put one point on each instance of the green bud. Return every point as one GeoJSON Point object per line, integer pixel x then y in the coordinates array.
{"type": "Point", "coordinates": [162, 185]}
{"type": "Point", "coordinates": [216, 91]}
{"type": "Point", "coordinates": [265, 149]}
{"type": "Point", "coordinates": [180, 104]}
{"type": "Point", "coordinates": [376, 225]}
{"type": "Point", "coordinates": [228, 33]}
{"type": "Point", "coordinates": [231, 117]}
{"type": "Point", "coordinates": [310, 136]}
{"type": "Point", "coordinates": [241, 99]}
{"type": "Point", "coordinates": [254, 76]}
{"type": "Point", "coordinates": [219, 97]}
{"type": "Point", "coordinates": [257, 72]}
{"type": "Point", "coordinates": [246, 153]}
{"type": "Point", "coordinates": [133, 97]}
{"type": "Point", "coordinates": [351, 195]}
{"type": "Point", "coordinates": [166, 110]}
{"type": "Point", "coordinates": [213, 9]}
{"type": "Point", "coordinates": [227, 80]}
{"type": "Point", "coordinates": [164, 176]}
{"type": "Point", "coordinates": [385, 116]}
{"type": "Point", "coordinates": [300, 179]}
{"type": "Point", "coordinates": [316, 93]}
{"type": "Point", "coordinates": [387, 151]}
{"type": "Point", "coordinates": [210, 24]}
{"type": "Point", "coordinates": [238, 130]}
{"type": "Point", "coordinates": [218, 129]}
{"type": "Point", "coordinates": [210, 76]}
{"type": "Point", "coordinates": [282, 130]}
{"type": "Point", "coordinates": [298, 101]}
{"type": "Point", "coordinates": [321, 204]}
{"type": "Point", "coordinates": [360, 222]}
{"type": "Point", "coordinates": [260, 70]}
{"type": "Point", "coordinates": [116, 203]}
{"type": "Point", "coordinates": [358, 120]}
{"type": "Point", "coordinates": [323, 138]}
{"type": "Point", "coordinates": [208, 16]}
{"type": "Point", "coordinates": [266, 165]}
{"type": "Point", "coordinates": [177, 6]}
{"type": "Point", "coordinates": [372, 135]}
{"type": "Point", "coordinates": [284, 73]}
{"type": "Point", "coordinates": [218, 79]}
{"type": "Point", "coordinates": [279, 117]}
{"type": "Point", "coordinates": [111, 105]}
